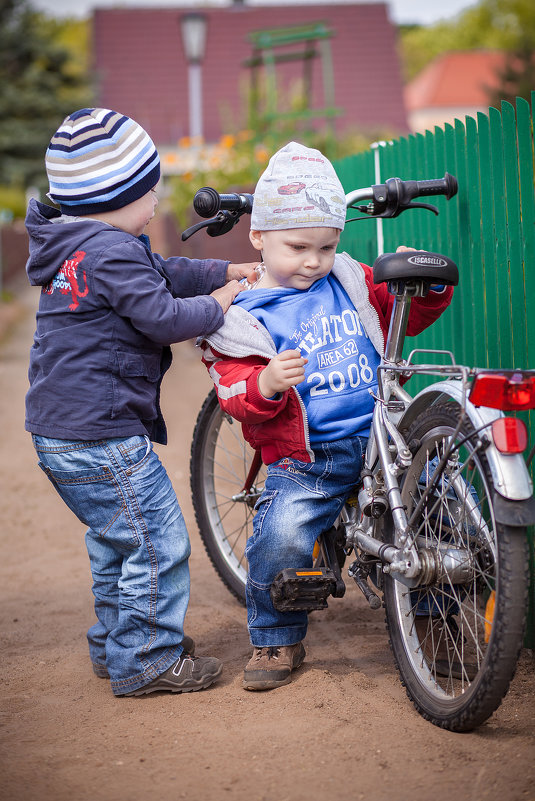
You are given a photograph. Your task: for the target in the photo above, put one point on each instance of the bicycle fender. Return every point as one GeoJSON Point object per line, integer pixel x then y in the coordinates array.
{"type": "Point", "coordinates": [509, 472]}
{"type": "Point", "coordinates": [514, 513]}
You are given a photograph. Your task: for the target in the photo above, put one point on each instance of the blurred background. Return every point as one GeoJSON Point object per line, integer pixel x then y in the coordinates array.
{"type": "Point", "coordinates": [220, 86]}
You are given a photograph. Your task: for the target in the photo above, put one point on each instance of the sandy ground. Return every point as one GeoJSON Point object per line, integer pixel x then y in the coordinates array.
{"type": "Point", "coordinates": [343, 729]}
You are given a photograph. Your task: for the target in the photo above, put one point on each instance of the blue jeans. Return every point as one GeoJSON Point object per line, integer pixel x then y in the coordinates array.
{"type": "Point", "coordinates": [138, 548]}
{"type": "Point", "coordinates": [299, 501]}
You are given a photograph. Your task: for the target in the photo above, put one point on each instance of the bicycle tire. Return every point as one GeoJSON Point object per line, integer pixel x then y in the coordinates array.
{"type": "Point", "coordinates": [455, 656]}
{"type": "Point", "coordinates": [219, 464]}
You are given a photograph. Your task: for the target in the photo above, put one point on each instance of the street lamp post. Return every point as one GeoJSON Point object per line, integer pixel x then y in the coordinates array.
{"type": "Point", "coordinates": [193, 27]}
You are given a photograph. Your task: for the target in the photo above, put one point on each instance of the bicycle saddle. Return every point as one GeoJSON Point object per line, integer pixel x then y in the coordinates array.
{"type": "Point", "coordinates": [415, 264]}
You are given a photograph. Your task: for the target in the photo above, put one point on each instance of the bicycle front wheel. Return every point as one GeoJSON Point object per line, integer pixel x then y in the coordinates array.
{"type": "Point", "coordinates": [224, 492]}
{"type": "Point", "coordinates": [457, 636]}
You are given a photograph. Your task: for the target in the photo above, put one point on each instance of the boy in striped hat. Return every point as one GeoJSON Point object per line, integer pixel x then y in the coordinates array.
{"type": "Point", "coordinates": [109, 310]}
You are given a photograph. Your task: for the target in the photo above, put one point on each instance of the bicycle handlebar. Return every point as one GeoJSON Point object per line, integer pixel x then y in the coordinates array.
{"type": "Point", "coordinates": [395, 196]}
{"type": "Point", "coordinates": [387, 200]}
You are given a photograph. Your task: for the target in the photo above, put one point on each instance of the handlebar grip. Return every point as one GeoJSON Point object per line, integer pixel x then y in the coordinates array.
{"type": "Point", "coordinates": [446, 186]}
{"type": "Point", "coordinates": [207, 202]}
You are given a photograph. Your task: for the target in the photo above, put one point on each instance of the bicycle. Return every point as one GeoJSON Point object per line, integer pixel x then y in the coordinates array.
{"type": "Point", "coordinates": [437, 524]}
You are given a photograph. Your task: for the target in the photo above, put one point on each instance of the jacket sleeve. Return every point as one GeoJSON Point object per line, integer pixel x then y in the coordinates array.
{"type": "Point", "coordinates": [126, 281]}
{"type": "Point", "coordinates": [236, 384]}
{"type": "Point", "coordinates": [191, 277]}
{"type": "Point", "coordinates": [424, 311]}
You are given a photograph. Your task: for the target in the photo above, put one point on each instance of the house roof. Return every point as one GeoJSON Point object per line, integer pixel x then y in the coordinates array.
{"type": "Point", "coordinates": [141, 69]}
{"type": "Point", "coordinates": [455, 79]}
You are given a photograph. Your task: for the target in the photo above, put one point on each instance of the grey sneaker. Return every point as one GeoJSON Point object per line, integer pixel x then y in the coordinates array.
{"type": "Point", "coordinates": [188, 674]}
{"type": "Point", "coordinates": [187, 644]}
{"type": "Point", "coordinates": [269, 668]}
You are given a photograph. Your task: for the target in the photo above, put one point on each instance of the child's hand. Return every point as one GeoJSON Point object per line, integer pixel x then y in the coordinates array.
{"type": "Point", "coordinates": [226, 294]}
{"type": "Point", "coordinates": [285, 370]}
{"type": "Point", "coordinates": [238, 271]}
{"type": "Point", "coordinates": [403, 249]}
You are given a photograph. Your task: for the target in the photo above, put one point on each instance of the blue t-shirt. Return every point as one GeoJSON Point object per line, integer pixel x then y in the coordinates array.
{"type": "Point", "coordinates": [324, 326]}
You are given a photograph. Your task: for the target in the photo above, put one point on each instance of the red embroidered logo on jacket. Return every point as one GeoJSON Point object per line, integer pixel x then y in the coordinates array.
{"type": "Point", "coordinates": [67, 280]}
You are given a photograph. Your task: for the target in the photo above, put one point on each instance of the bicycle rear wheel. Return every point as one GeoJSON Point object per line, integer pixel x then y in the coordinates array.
{"type": "Point", "coordinates": [457, 636]}
{"type": "Point", "coordinates": [224, 508]}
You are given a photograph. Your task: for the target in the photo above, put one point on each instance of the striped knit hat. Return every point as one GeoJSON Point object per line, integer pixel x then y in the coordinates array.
{"type": "Point", "coordinates": [100, 160]}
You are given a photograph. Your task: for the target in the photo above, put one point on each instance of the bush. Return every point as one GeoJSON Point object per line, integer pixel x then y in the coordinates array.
{"type": "Point", "coordinates": [12, 203]}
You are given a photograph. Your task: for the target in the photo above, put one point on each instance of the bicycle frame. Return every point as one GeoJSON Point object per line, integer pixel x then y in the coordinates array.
{"type": "Point", "coordinates": [388, 455]}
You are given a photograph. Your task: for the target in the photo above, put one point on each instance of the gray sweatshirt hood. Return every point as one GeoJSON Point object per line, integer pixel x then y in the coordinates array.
{"type": "Point", "coordinates": [242, 335]}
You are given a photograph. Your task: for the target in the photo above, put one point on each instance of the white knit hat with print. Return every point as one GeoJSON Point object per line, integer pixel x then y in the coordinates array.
{"type": "Point", "coordinates": [298, 189]}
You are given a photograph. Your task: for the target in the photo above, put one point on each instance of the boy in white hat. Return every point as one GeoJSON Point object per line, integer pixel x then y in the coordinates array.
{"type": "Point", "coordinates": [294, 362]}
{"type": "Point", "coordinates": [109, 310]}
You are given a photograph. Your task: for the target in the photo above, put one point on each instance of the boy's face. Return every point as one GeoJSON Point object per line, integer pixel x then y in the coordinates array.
{"type": "Point", "coordinates": [297, 257]}
{"type": "Point", "coordinates": [134, 217]}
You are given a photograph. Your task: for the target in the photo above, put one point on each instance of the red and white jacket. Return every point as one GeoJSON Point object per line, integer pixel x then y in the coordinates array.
{"type": "Point", "coordinates": [236, 353]}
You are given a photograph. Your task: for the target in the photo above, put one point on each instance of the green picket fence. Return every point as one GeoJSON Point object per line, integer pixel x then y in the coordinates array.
{"type": "Point", "coordinates": [488, 229]}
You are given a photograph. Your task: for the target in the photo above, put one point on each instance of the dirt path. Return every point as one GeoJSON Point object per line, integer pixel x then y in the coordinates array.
{"type": "Point", "coordinates": [343, 729]}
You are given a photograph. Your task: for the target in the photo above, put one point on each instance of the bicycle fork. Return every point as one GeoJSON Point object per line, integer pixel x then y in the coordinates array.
{"type": "Point", "coordinates": [375, 498]}
{"type": "Point", "coordinates": [379, 493]}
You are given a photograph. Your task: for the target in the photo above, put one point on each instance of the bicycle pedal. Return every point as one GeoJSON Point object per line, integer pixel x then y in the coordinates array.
{"type": "Point", "coordinates": [304, 589]}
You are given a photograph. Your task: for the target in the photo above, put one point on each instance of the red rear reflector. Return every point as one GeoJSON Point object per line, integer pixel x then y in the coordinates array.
{"type": "Point", "coordinates": [510, 435]}
{"type": "Point", "coordinates": [507, 392]}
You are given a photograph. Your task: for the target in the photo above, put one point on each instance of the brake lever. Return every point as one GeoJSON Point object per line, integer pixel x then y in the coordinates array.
{"type": "Point", "coordinates": [194, 228]}
{"type": "Point", "coordinates": [413, 205]}
{"type": "Point", "coordinates": [367, 211]}
{"type": "Point", "coordinates": [223, 222]}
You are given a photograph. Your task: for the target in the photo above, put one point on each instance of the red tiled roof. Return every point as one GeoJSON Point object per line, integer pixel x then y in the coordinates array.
{"type": "Point", "coordinates": [141, 70]}
{"type": "Point", "coordinates": [455, 79]}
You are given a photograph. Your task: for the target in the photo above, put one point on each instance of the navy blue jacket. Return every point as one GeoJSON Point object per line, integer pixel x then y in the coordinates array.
{"type": "Point", "coordinates": [109, 310]}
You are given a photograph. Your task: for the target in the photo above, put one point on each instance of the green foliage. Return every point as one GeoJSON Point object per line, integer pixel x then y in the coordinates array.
{"type": "Point", "coordinates": [12, 199]}
{"type": "Point", "coordinates": [503, 24]}
{"type": "Point", "coordinates": [42, 79]}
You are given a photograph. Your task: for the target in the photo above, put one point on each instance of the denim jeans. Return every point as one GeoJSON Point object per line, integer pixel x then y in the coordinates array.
{"type": "Point", "coordinates": [299, 501]}
{"type": "Point", "coordinates": [138, 548]}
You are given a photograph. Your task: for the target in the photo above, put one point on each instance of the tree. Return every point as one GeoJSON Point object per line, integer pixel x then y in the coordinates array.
{"type": "Point", "coordinates": [40, 83]}
{"type": "Point", "coordinates": [517, 77]}
{"type": "Point", "coordinates": [517, 21]}
{"type": "Point", "coordinates": [507, 25]}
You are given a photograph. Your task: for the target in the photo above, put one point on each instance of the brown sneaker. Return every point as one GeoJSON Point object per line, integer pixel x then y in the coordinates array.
{"type": "Point", "coordinates": [440, 643]}
{"type": "Point", "coordinates": [272, 667]}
